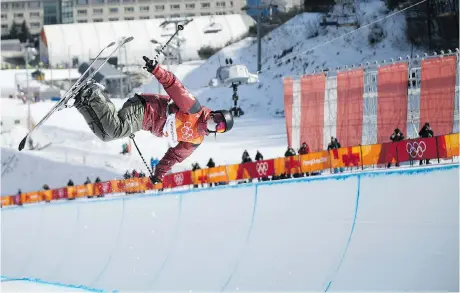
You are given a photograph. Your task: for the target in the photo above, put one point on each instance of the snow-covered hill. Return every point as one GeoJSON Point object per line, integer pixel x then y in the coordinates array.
{"type": "Point", "coordinates": [301, 45]}
{"type": "Point", "coordinates": [73, 143]}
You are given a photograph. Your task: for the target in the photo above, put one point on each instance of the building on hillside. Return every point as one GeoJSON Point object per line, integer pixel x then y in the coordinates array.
{"type": "Point", "coordinates": [60, 44]}
{"type": "Point", "coordinates": [38, 13]}
{"type": "Point", "coordinates": [19, 10]}
{"type": "Point", "coordinates": [116, 83]}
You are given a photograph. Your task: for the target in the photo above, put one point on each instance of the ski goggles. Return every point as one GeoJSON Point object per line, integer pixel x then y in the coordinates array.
{"type": "Point", "coordinates": [218, 123]}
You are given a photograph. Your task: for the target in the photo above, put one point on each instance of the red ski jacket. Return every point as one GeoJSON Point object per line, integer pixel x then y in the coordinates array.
{"type": "Point", "coordinates": [177, 116]}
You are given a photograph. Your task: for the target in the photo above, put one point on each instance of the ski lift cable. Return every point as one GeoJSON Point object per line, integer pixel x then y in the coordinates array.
{"type": "Point", "coordinates": [346, 34]}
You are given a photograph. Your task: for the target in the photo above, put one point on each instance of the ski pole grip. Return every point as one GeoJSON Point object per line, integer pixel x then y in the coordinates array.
{"type": "Point", "coordinates": [146, 59]}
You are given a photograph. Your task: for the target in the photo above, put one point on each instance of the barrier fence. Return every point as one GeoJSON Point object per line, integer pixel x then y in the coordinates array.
{"type": "Point", "coordinates": [440, 147]}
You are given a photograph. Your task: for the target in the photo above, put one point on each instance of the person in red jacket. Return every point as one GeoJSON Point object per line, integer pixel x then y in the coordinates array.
{"type": "Point", "coordinates": [177, 116]}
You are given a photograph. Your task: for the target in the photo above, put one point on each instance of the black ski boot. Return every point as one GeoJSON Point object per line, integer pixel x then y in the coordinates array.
{"type": "Point", "coordinates": [83, 97]}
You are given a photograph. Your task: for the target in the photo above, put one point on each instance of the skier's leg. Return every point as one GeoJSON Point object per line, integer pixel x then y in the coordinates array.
{"type": "Point", "coordinates": [102, 117]}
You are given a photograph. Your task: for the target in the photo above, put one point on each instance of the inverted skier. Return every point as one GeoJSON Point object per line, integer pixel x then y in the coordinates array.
{"type": "Point", "coordinates": [177, 116]}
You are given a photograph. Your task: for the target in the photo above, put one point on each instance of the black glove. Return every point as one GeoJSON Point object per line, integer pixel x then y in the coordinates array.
{"type": "Point", "coordinates": [155, 179]}
{"type": "Point", "coordinates": [149, 64]}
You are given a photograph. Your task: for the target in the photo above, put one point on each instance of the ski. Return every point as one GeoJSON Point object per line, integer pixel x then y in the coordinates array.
{"type": "Point", "coordinates": [75, 88]}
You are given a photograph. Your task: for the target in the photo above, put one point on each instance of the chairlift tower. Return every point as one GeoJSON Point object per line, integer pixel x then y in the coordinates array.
{"type": "Point", "coordinates": [178, 40]}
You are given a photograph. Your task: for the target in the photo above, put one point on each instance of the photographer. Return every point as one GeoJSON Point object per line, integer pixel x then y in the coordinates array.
{"type": "Point", "coordinates": [395, 137]}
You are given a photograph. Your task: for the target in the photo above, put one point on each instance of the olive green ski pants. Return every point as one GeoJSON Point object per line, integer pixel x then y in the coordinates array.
{"type": "Point", "coordinates": [105, 121]}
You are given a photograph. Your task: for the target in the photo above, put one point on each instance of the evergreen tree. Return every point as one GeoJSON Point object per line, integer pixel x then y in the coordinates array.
{"type": "Point", "coordinates": [14, 30]}
{"type": "Point", "coordinates": [24, 34]}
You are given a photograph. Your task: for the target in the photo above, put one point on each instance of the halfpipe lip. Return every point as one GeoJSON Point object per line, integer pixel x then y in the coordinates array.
{"type": "Point", "coordinates": [342, 176]}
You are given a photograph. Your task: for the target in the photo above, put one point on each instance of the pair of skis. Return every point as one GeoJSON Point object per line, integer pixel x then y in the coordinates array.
{"type": "Point", "coordinates": [81, 83]}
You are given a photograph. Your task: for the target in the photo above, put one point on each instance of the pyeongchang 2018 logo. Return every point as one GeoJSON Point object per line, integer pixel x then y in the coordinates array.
{"type": "Point", "coordinates": [416, 149]}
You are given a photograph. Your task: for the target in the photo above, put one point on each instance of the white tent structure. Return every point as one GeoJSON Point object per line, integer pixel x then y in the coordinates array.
{"type": "Point", "coordinates": [59, 44]}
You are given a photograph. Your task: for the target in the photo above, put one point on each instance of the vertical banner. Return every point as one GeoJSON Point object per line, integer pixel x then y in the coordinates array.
{"type": "Point", "coordinates": [350, 100]}
{"type": "Point", "coordinates": [392, 100]}
{"type": "Point", "coordinates": [288, 92]}
{"type": "Point", "coordinates": [313, 88]}
{"type": "Point", "coordinates": [437, 92]}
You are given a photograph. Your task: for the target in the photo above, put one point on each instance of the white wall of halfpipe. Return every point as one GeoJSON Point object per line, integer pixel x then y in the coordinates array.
{"type": "Point", "coordinates": [392, 230]}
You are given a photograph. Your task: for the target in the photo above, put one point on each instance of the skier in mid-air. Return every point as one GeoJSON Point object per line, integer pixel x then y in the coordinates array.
{"type": "Point", "coordinates": [177, 116]}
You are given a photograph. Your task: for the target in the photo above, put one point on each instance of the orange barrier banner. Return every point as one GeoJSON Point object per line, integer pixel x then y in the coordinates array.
{"type": "Point", "coordinates": [257, 169]}
{"type": "Point", "coordinates": [232, 172]}
{"type": "Point", "coordinates": [71, 192]}
{"type": "Point", "coordinates": [315, 161]}
{"type": "Point", "coordinates": [102, 188]}
{"type": "Point", "coordinates": [133, 185]}
{"type": "Point", "coordinates": [47, 195]}
{"type": "Point", "coordinates": [34, 196]}
{"type": "Point", "coordinates": [200, 176]}
{"type": "Point", "coordinates": [81, 191]}
{"type": "Point", "coordinates": [6, 201]}
{"type": "Point", "coordinates": [371, 154]}
{"type": "Point", "coordinates": [217, 174]}
{"type": "Point", "coordinates": [452, 142]}
{"type": "Point", "coordinates": [118, 186]}
{"type": "Point", "coordinates": [346, 157]}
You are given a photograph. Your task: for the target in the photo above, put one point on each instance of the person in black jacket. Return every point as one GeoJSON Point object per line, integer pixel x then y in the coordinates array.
{"type": "Point", "coordinates": [395, 137]}
{"type": "Point", "coordinates": [211, 163]}
{"type": "Point", "coordinates": [259, 156]}
{"type": "Point", "coordinates": [426, 132]}
{"type": "Point", "coordinates": [246, 158]}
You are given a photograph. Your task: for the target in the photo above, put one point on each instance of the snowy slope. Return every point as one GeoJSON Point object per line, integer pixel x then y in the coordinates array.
{"type": "Point", "coordinates": [308, 54]}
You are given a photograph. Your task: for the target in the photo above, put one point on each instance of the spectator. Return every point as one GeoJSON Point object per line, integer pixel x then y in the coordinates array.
{"type": "Point", "coordinates": [246, 158]}
{"type": "Point", "coordinates": [46, 187]}
{"type": "Point", "coordinates": [135, 174]}
{"type": "Point", "coordinates": [195, 167]}
{"type": "Point", "coordinates": [333, 145]}
{"type": "Point", "coordinates": [98, 180]}
{"type": "Point", "coordinates": [127, 175]}
{"type": "Point", "coordinates": [70, 183]}
{"type": "Point", "coordinates": [304, 149]}
{"type": "Point", "coordinates": [211, 163]}
{"type": "Point", "coordinates": [124, 149]}
{"type": "Point", "coordinates": [153, 163]}
{"type": "Point", "coordinates": [259, 156]}
{"type": "Point", "coordinates": [395, 137]}
{"type": "Point", "coordinates": [426, 132]}
{"type": "Point", "coordinates": [88, 181]}
{"type": "Point", "coordinates": [141, 174]}
{"type": "Point", "coordinates": [290, 152]}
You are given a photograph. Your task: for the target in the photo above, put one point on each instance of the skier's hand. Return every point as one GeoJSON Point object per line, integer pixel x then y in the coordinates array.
{"type": "Point", "coordinates": [155, 179]}
{"type": "Point", "coordinates": [149, 64]}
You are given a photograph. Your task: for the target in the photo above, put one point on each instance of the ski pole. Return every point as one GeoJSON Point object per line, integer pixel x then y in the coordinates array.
{"type": "Point", "coordinates": [179, 28]}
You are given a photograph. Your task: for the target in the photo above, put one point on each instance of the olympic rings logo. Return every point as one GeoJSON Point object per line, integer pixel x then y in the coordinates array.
{"type": "Point", "coordinates": [416, 149]}
{"type": "Point", "coordinates": [187, 131]}
{"type": "Point", "coordinates": [179, 178]}
{"type": "Point", "coordinates": [262, 168]}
